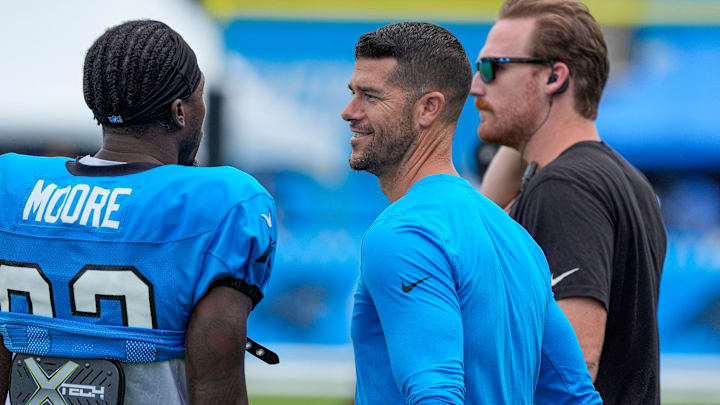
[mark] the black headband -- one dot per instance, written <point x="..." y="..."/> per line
<point x="178" y="82"/>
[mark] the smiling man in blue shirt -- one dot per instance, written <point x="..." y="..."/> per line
<point x="454" y="303"/>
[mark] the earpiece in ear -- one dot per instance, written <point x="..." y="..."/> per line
<point x="553" y="79"/>
<point x="563" y="87"/>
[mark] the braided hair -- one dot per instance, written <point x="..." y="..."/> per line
<point x="124" y="67"/>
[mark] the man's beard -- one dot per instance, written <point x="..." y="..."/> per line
<point x="187" y="150"/>
<point x="514" y="125"/>
<point x="387" y="147"/>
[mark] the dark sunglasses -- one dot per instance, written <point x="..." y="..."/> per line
<point x="487" y="66"/>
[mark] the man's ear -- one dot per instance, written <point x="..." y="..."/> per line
<point x="559" y="79"/>
<point x="429" y="107"/>
<point x="177" y="112"/>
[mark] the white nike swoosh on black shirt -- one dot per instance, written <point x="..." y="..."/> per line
<point x="555" y="280"/>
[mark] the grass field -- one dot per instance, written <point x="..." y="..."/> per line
<point x="314" y="375"/>
<point x="256" y="400"/>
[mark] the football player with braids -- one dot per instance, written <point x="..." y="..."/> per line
<point x="128" y="276"/>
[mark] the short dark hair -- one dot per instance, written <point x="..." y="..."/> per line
<point x="429" y="58"/>
<point x="124" y="65"/>
<point x="567" y="32"/>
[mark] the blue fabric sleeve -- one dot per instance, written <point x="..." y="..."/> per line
<point x="564" y="378"/>
<point x="408" y="273"/>
<point x="243" y="245"/>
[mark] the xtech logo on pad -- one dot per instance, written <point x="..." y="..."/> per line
<point x="63" y="381"/>
<point x="50" y="387"/>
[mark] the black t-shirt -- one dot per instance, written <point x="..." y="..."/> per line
<point x="598" y="221"/>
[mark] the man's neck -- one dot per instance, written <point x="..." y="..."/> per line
<point x="153" y="148"/>
<point x="557" y="136"/>
<point x="430" y="155"/>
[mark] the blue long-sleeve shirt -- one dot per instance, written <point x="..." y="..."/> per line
<point x="454" y="306"/>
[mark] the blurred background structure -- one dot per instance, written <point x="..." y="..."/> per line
<point x="277" y="73"/>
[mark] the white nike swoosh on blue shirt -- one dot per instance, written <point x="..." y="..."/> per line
<point x="268" y="219"/>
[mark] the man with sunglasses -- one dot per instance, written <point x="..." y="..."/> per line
<point x="538" y="84"/>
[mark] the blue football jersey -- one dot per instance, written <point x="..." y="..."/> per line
<point x="109" y="262"/>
